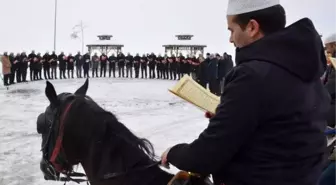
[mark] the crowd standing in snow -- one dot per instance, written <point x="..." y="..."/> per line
<point x="209" y="70"/>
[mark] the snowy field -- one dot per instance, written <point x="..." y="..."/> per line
<point x="144" y="106"/>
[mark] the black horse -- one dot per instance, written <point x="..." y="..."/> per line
<point x="76" y="130"/>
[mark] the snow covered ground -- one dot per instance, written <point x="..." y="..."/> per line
<point x="144" y="106"/>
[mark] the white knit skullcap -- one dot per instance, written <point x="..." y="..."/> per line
<point x="236" y="7"/>
<point x="330" y="39"/>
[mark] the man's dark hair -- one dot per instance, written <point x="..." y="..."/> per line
<point x="271" y="19"/>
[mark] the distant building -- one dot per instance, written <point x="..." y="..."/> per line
<point x="185" y="45"/>
<point x="105" y="45"/>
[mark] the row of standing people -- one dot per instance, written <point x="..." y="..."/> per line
<point x="209" y="70"/>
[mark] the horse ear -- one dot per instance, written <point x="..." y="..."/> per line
<point x="51" y="93"/>
<point x="83" y="89"/>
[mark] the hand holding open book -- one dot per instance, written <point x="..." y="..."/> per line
<point x="195" y="94"/>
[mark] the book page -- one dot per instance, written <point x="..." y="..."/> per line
<point x="194" y="93"/>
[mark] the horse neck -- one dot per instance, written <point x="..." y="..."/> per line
<point x="148" y="176"/>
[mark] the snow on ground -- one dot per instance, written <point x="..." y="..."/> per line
<point x="144" y="106"/>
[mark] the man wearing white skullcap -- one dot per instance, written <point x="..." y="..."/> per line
<point x="268" y="128"/>
<point x="330" y="43"/>
<point x="331" y="39"/>
<point x="328" y="176"/>
<point x="268" y="16"/>
<point x="236" y="7"/>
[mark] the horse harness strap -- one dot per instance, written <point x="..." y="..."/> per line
<point x="74" y="174"/>
<point x="60" y="136"/>
<point x="59" y="140"/>
<point x="107" y="176"/>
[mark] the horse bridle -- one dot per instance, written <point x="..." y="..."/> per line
<point x="108" y="176"/>
<point x="52" y="172"/>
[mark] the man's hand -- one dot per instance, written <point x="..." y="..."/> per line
<point x="164" y="161"/>
<point x="209" y="115"/>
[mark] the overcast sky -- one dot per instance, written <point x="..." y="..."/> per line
<point x="141" y="25"/>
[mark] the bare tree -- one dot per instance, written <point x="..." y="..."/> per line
<point x="76" y="30"/>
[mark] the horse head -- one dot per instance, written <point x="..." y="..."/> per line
<point x="76" y="130"/>
<point x="50" y="124"/>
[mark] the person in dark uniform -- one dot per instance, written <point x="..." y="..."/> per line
<point x="121" y="64"/>
<point x="179" y="60"/>
<point x="214" y="82"/>
<point x="34" y="66"/>
<point x="165" y="67"/>
<point x="221" y="71"/>
<point x="53" y="64"/>
<point x="31" y="58"/>
<point x="184" y="66"/>
<point x="194" y="67"/>
<point x="172" y="67"/>
<point x="24" y="66"/>
<point x="228" y="62"/>
<point x="62" y="65"/>
<point x="189" y="61"/>
<point x="79" y="64"/>
<point x="94" y="65"/>
<point x="183" y="62"/>
<point x="159" y="66"/>
<point x="143" y="64"/>
<point x="269" y="125"/>
<point x="202" y="74"/>
<point x="129" y="65"/>
<point x="151" y="65"/>
<point x="137" y="65"/>
<point x="103" y="62"/>
<point x="112" y="65"/>
<point x="225" y="65"/>
<point x="18" y="63"/>
<point x="13" y="68"/>
<point x="86" y="65"/>
<point x="46" y="65"/>
<point x="70" y="65"/>
<point x="39" y="66"/>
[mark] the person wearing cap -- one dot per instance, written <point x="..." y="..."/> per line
<point x="330" y="43"/>
<point x="328" y="176"/>
<point x="330" y="46"/>
<point x="269" y="125"/>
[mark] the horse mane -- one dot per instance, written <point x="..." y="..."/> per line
<point x="95" y="119"/>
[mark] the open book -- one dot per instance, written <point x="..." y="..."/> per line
<point x="195" y="94"/>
